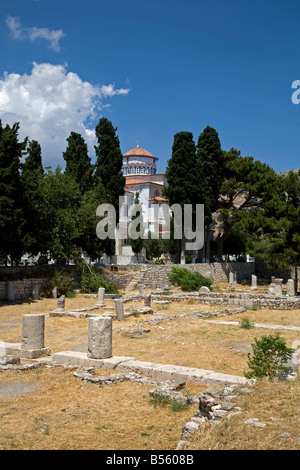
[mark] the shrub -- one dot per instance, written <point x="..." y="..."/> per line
<point x="270" y="354"/>
<point x="63" y="280"/>
<point x="246" y="323"/>
<point x="162" y="399"/>
<point x="187" y="280"/>
<point x="91" y="280"/>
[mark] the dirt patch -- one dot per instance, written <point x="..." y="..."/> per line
<point x="17" y="389"/>
<point x="239" y="347"/>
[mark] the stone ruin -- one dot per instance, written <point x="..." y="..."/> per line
<point x="32" y="345"/>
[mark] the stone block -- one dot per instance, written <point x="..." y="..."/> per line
<point x="290" y="287"/>
<point x="119" y="306"/>
<point x="101" y="294"/>
<point x="33" y="327"/>
<point x="100" y="337"/>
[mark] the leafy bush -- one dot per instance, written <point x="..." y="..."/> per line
<point x="63" y="280"/>
<point x="91" y="280"/>
<point x="246" y="323"/>
<point x="270" y="355"/>
<point x="187" y="280"/>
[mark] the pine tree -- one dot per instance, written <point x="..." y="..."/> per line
<point x="249" y="194"/>
<point x="11" y="199"/>
<point x="278" y="244"/>
<point x="78" y="163"/>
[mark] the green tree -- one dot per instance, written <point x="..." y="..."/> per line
<point x="78" y="163"/>
<point x="88" y="241"/>
<point x="210" y="168"/>
<point x="269" y="358"/>
<point x="61" y="226"/>
<point x="108" y="168"/>
<point x="278" y="243"/>
<point x="31" y="180"/>
<point x="154" y="247"/>
<point x="181" y="173"/>
<point x="11" y="199"/>
<point x="248" y="195"/>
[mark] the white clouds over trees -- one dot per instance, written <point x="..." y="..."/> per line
<point x="51" y="102"/>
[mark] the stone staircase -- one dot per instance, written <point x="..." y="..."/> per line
<point x="148" y="275"/>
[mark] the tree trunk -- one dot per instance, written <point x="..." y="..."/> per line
<point x="220" y="245"/>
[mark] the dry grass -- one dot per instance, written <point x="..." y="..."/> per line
<point x="276" y="404"/>
<point x="65" y="413"/>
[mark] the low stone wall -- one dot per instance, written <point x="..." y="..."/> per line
<point x="218" y="272"/>
<point x="120" y="280"/>
<point x="246" y="300"/>
<point x="23" y="288"/>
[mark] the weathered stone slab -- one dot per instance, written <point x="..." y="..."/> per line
<point x="290" y="287"/>
<point x="101" y="295"/>
<point x="77" y="358"/>
<point x="61" y="302"/>
<point x="33" y="327"/>
<point x="10" y="291"/>
<point x="119" y="306"/>
<point x="204" y="290"/>
<point x="253" y="282"/>
<point x="100" y="337"/>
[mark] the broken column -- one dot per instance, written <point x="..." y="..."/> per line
<point x="54" y="293"/>
<point x="253" y="282"/>
<point x="35" y="292"/>
<point x="119" y="309"/>
<point x="141" y="289"/>
<point x="101" y="294"/>
<point x="33" y="330"/>
<point x="10" y="291"/>
<point x="278" y="287"/>
<point x="231" y="281"/>
<point x="61" y="302"/>
<point x="290" y="287"/>
<point x="147" y="301"/>
<point x="100" y="337"/>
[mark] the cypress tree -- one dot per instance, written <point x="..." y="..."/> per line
<point x="181" y="173"/>
<point x="11" y="199"/>
<point x="108" y="168"/>
<point x="78" y="163"/>
<point x="31" y="180"/>
<point x="210" y="166"/>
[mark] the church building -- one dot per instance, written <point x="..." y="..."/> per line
<point x="140" y="171"/>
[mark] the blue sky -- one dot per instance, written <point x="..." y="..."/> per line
<point x="153" y="68"/>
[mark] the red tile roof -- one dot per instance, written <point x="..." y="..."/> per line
<point x="140" y="152"/>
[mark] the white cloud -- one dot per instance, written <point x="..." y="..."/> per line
<point x="49" y="104"/>
<point x="109" y="90"/>
<point x="33" y="33"/>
